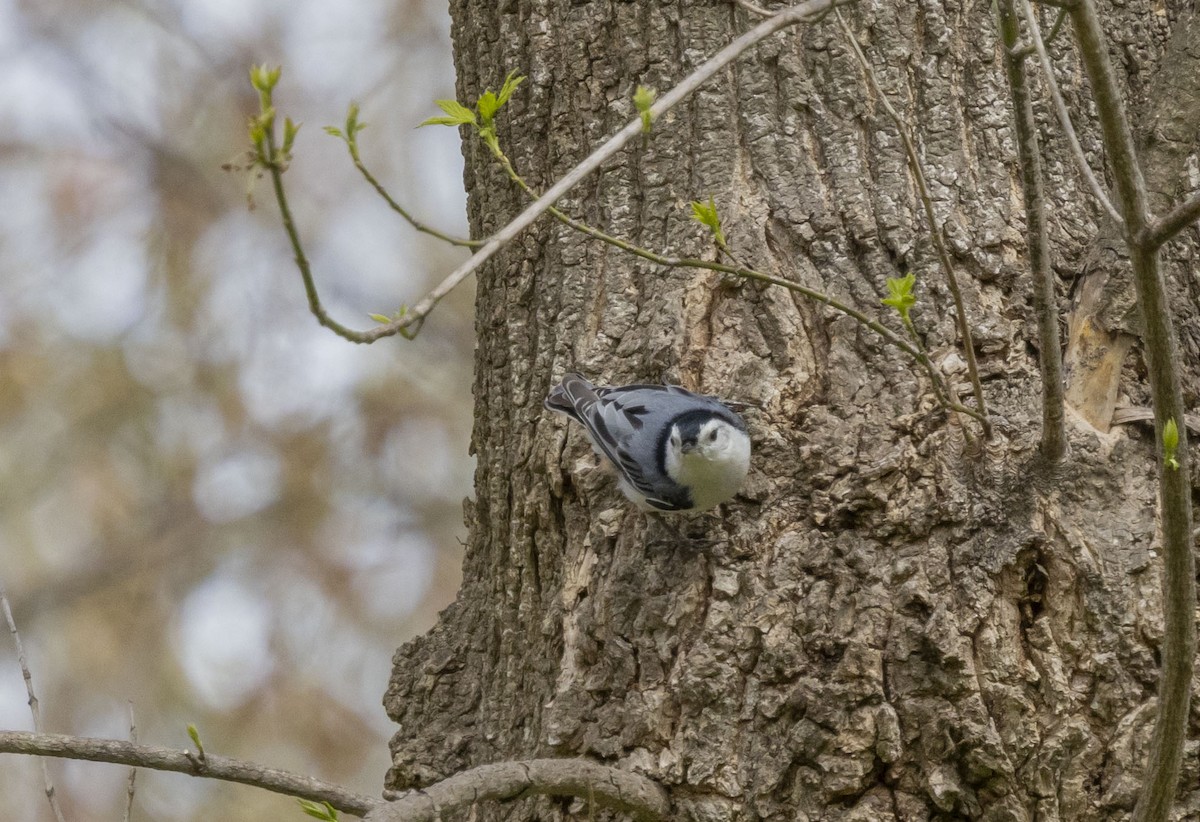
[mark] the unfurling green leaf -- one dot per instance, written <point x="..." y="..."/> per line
<point x="706" y="214"/>
<point x="487" y="105"/>
<point x="258" y="132"/>
<point x="902" y="298"/>
<point x="289" y="134"/>
<point x="510" y="85"/>
<point x="643" y="98"/>
<point x="195" y="737"/>
<point x="1170" y="439"/>
<point x="457" y="115"/>
<point x="489" y="102"/>
<point x="319" y="810"/>
<point x="397" y="316"/>
<point x="353" y="127"/>
<point x="263" y="78"/>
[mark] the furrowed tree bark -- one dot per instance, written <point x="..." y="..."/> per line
<point x="884" y="625"/>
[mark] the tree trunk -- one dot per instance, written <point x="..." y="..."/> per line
<point x="888" y="624"/>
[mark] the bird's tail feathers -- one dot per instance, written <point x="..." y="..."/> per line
<point x="572" y="395"/>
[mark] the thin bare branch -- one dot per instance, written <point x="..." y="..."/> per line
<point x="1164" y="228"/>
<point x="121" y="752"/>
<point x="935" y="229"/>
<point x="753" y="8"/>
<point x="788" y="17"/>
<point x="1045" y="303"/>
<point x="33" y="700"/>
<point x="915" y="350"/>
<point x="351" y="141"/>
<point x="407" y="327"/>
<point x="1028" y="49"/>
<point x="1161" y="351"/>
<point x="1064" y="116"/>
<point x="1057" y="27"/>
<point x="607" y="787"/>
<point x="409" y="323"/>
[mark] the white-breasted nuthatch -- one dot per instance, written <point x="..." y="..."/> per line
<point x="673" y="450"/>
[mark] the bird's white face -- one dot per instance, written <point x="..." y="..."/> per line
<point x="712" y="441"/>
<point x="713" y="465"/>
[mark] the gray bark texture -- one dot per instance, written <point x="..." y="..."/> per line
<point x="887" y="624"/>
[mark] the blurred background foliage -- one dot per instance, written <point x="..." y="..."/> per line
<point x="210" y="507"/>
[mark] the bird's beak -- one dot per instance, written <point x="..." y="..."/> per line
<point x="688" y="446"/>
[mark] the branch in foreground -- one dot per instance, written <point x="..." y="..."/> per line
<point x="1028" y="49"/>
<point x="120" y="752"/>
<point x="1045" y="303"/>
<point x="33" y="700"/>
<point x="350" y="137"/>
<point x="1064" y="116"/>
<point x="1164" y="228"/>
<point x="605" y="787"/>
<point x="753" y="8"/>
<point x="915" y="350"/>
<point x="269" y="156"/>
<point x="409" y="324"/>
<point x="918" y="173"/>
<point x="1161" y="777"/>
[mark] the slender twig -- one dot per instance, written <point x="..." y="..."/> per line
<point x="122" y="752"/>
<point x="1164" y="228"/>
<point x="34" y="706"/>
<point x="935" y="232"/>
<point x="1162" y="365"/>
<point x="725" y="251"/>
<point x="1029" y="49"/>
<point x="916" y="350"/>
<point x="1056" y="27"/>
<point x="406" y="327"/>
<point x="1045" y="304"/>
<point x="788" y="17"/>
<point x="352" y="144"/>
<point x="753" y="8"/>
<point x="130" y="787"/>
<point x="606" y="787"/>
<point x="409" y="323"/>
<point x="1064" y="116"/>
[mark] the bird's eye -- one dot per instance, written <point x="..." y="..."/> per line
<point x="712" y="435"/>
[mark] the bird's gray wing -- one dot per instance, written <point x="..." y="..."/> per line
<point x="571" y="396"/>
<point x="611" y="422"/>
<point x="616" y="422"/>
<point x="627" y="424"/>
<point x="624" y="424"/>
